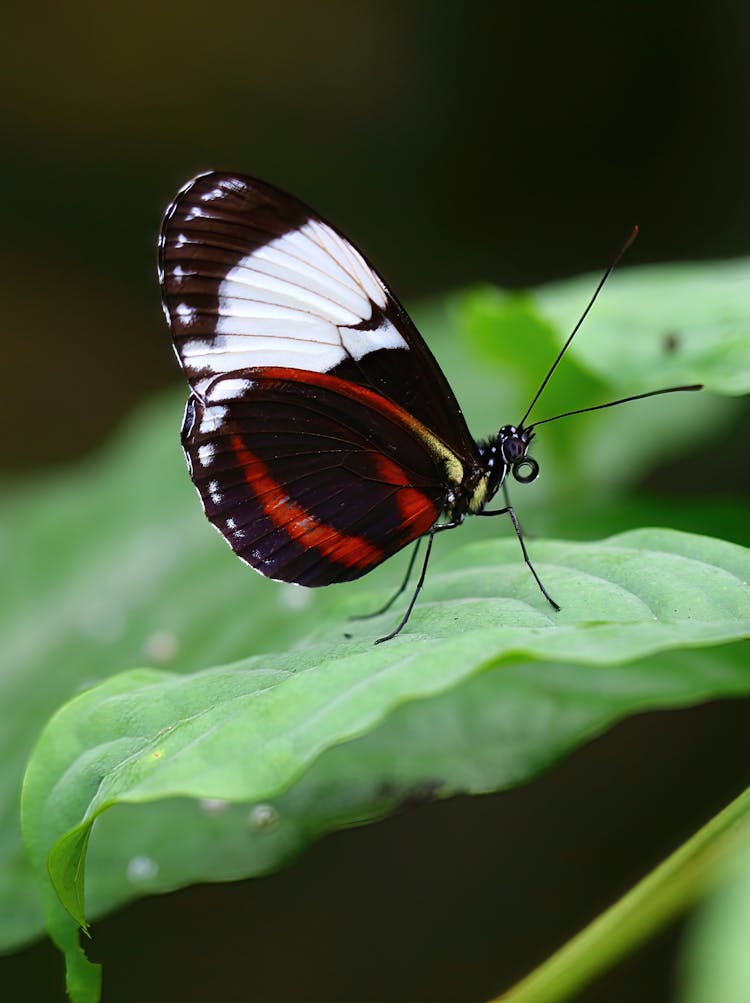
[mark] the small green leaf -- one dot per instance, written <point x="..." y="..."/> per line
<point x="716" y="961"/>
<point x="66" y="862"/>
<point x="509" y="329"/>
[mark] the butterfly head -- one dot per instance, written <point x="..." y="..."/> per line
<point x="512" y="444"/>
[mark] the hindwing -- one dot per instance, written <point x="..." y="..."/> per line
<point x="309" y="479"/>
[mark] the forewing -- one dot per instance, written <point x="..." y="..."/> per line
<point x="251" y="277"/>
<point x="306" y="483"/>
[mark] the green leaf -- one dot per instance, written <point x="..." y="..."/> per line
<point x="716" y="962"/>
<point x="509" y="329"/>
<point x="624" y="348"/>
<point x="666" y="324"/>
<point x="111" y="564"/>
<point x="247" y="733"/>
<point x="491" y="732"/>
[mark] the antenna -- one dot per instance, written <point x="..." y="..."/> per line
<point x="622" y="400"/>
<point x="553" y="367"/>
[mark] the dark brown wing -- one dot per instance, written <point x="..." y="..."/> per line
<point x="252" y="278"/>
<point x="309" y="478"/>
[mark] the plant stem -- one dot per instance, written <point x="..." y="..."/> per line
<point x="669" y="890"/>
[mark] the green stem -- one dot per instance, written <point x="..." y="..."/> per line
<point x="660" y="897"/>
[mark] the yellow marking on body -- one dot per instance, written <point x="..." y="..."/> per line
<point x="478" y="499"/>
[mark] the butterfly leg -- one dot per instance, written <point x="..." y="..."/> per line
<point x="399" y="591"/>
<point x="404" y="620"/>
<point x="508" y="504"/>
<point x="509" y="510"/>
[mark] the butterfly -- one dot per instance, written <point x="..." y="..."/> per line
<point x="320" y="432"/>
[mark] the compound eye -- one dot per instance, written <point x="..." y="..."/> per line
<point x="526" y="471"/>
<point x="513" y="449"/>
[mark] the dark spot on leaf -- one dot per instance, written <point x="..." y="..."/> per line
<point x="671" y="342"/>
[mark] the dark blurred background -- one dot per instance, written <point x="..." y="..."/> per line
<point x="508" y="142"/>
<point x="454" y="142"/>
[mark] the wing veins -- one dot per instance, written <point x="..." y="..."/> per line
<point x="295" y="285"/>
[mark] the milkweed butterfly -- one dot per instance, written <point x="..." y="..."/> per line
<point x="320" y="432"/>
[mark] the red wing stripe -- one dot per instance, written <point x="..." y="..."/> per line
<point x="300" y="524"/>
<point x="415" y="507"/>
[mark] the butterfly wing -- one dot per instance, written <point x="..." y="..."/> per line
<point x="251" y="277"/>
<point x="310" y="479"/>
